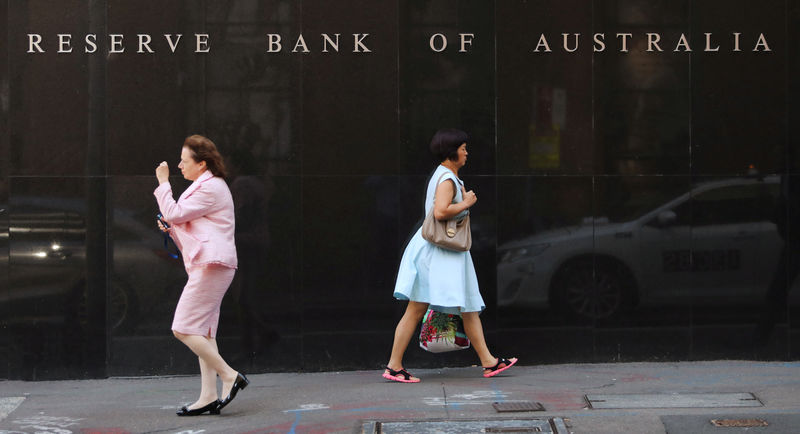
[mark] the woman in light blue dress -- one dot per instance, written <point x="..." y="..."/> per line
<point x="443" y="279"/>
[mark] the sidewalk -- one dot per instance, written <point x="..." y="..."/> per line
<point x="347" y="401"/>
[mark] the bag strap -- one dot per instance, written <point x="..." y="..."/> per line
<point x="167" y="241"/>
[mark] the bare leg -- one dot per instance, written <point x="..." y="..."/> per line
<point x="404" y="331"/>
<point x="206" y="349"/>
<point x="208" y="388"/>
<point x="474" y="330"/>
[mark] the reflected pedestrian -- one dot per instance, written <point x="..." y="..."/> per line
<point x="202" y="224"/>
<point x="774" y="309"/>
<point x="440" y="278"/>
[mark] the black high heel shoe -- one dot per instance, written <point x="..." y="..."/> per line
<point x="212" y="408"/>
<point x="240" y="383"/>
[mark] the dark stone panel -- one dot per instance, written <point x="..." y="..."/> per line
<point x="351" y="250"/>
<point x="641" y="99"/>
<point x="447" y="89"/>
<point x="544" y="109"/>
<point x="349" y="98"/>
<point x="48" y="97"/>
<point x="265" y="303"/>
<point x="739" y="98"/>
<point x="543" y="224"/>
<point x="668" y="343"/>
<point x="6" y="336"/>
<point x="155" y="99"/>
<point x="483" y="224"/>
<point x="5" y="149"/>
<point x="51" y="318"/>
<point x="253" y="99"/>
<point x="793" y="84"/>
<point x="636" y="248"/>
<point x="412" y="193"/>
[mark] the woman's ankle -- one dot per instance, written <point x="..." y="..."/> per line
<point x="489" y="362"/>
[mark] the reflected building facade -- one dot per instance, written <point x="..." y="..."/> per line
<point x="633" y="205"/>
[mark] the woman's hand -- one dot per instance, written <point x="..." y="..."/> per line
<point x="161" y="227"/>
<point x="162" y="172"/>
<point x="469" y="197"/>
<point x="443" y="209"/>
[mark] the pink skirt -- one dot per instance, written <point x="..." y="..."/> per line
<point x="198" y="309"/>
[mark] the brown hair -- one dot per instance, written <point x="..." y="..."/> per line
<point x="203" y="149"/>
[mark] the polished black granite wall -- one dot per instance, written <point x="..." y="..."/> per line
<point x="632" y="205"/>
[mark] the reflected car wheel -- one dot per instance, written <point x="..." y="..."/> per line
<point x="589" y="290"/>
<point x="121" y="305"/>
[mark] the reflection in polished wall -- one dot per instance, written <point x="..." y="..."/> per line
<point x="631" y="205"/>
<point x="5" y="335"/>
<point x="47" y="293"/>
<point x="643" y="112"/>
<point x="444" y="89"/>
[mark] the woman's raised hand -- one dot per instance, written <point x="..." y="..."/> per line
<point x="469" y="196"/>
<point x="162" y="172"/>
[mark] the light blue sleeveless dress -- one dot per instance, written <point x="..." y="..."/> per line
<point x="443" y="278"/>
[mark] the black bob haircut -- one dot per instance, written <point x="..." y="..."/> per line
<point x="445" y="143"/>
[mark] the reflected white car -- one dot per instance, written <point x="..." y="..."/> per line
<point x="716" y="241"/>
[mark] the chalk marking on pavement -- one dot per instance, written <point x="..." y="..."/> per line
<point x="308" y="407"/>
<point x="376" y="409"/>
<point x="158" y="406"/>
<point x="7" y="405"/>
<point x="477" y="397"/>
<point x="191" y="431"/>
<point x="48" y="424"/>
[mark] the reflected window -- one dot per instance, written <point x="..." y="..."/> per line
<point x="733" y="204"/>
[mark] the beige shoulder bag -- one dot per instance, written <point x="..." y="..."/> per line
<point x="448" y="234"/>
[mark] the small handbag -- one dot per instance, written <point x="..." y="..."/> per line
<point x="448" y="234"/>
<point x="442" y="332"/>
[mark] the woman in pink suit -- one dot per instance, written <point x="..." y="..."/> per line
<point x="201" y="223"/>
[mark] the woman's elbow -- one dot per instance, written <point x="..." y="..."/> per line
<point x="439" y="215"/>
<point x="174" y="218"/>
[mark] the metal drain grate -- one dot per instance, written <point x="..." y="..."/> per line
<point x="739" y="422"/>
<point x="555" y="425"/>
<point x="514" y="406"/>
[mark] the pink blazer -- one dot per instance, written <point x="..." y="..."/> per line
<point x="202" y="221"/>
